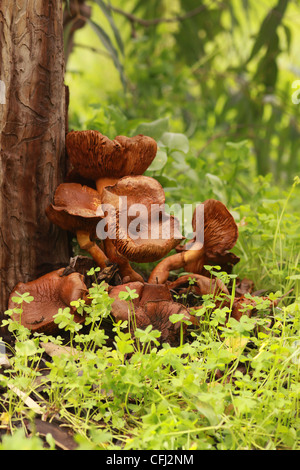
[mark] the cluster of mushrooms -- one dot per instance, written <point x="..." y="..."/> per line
<point x="103" y="170"/>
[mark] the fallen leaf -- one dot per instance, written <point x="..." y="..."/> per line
<point x="62" y="437"/>
<point x="56" y="350"/>
<point x="26" y="399"/>
<point x="236" y="345"/>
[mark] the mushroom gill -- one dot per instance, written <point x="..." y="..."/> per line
<point x="141" y="238"/>
<point x="75" y="209"/>
<point x="150" y="235"/>
<point x="153" y="306"/>
<point x="50" y="292"/>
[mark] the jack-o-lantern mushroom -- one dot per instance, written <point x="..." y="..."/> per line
<point x="215" y="233"/>
<point x="50" y="293"/>
<point x="145" y="238"/>
<point x="95" y="157"/>
<point x="75" y="209"/>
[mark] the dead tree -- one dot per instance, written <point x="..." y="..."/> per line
<point x="32" y="139"/>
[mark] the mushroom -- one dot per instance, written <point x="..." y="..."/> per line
<point x="153" y="306"/>
<point x="244" y="286"/>
<point x="144" y="238"/>
<point x="157" y="313"/>
<point x="126" y="271"/>
<point x="145" y="292"/>
<point x="96" y="157"/>
<point x="75" y="209"/>
<point x="219" y="234"/>
<point x="50" y="292"/>
<point x="203" y="286"/>
<point x="225" y="260"/>
<point x="240" y="306"/>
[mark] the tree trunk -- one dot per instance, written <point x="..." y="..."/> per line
<point x="32" y="139"/>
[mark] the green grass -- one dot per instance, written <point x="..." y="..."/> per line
<point x="232" y="385"/>
<point x="269" y="240"/>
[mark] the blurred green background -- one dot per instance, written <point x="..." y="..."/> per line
<point x="215" y="83"/>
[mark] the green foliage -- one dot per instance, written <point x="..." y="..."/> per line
<point x="18" y="441"/>
<point x="213" y="87"/>
<point x="220" y="71"/>
<point x="268" y="216"/>
<point x="234" y="385"/>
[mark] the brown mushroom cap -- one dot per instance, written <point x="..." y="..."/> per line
<point x="95" y="156"/>
<point x="220" y="228"/>
<point x="153" y="307"/>
<point x="141" y="247"/>
<point x="146" y="292"/>
<point x="220" y="232"/>
<point x="157" y="313"/>
<point x="50" y="292"/>
<point x="75" y="208"/>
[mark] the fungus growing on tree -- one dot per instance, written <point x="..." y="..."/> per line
<point x="214" y="236"/>
<point x="75" y="209"/>
<point x="50" y="293"/>
<point x="153" y="306"/>
<point x="96" y="157"/>
<point x="141" y="238"/>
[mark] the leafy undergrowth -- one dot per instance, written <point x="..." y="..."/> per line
<point x="230" y="385"/>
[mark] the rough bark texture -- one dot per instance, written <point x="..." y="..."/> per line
<point x="32" y="140"/>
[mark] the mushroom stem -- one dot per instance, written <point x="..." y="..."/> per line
<point x="161" y="272"/>
<point x="205" y="285"/>
<point x="101" y="183"/>
<point x="91" y="247"/>
<point x="126" y="271"/>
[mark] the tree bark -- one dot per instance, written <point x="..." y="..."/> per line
<point x="32" y="140"/>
